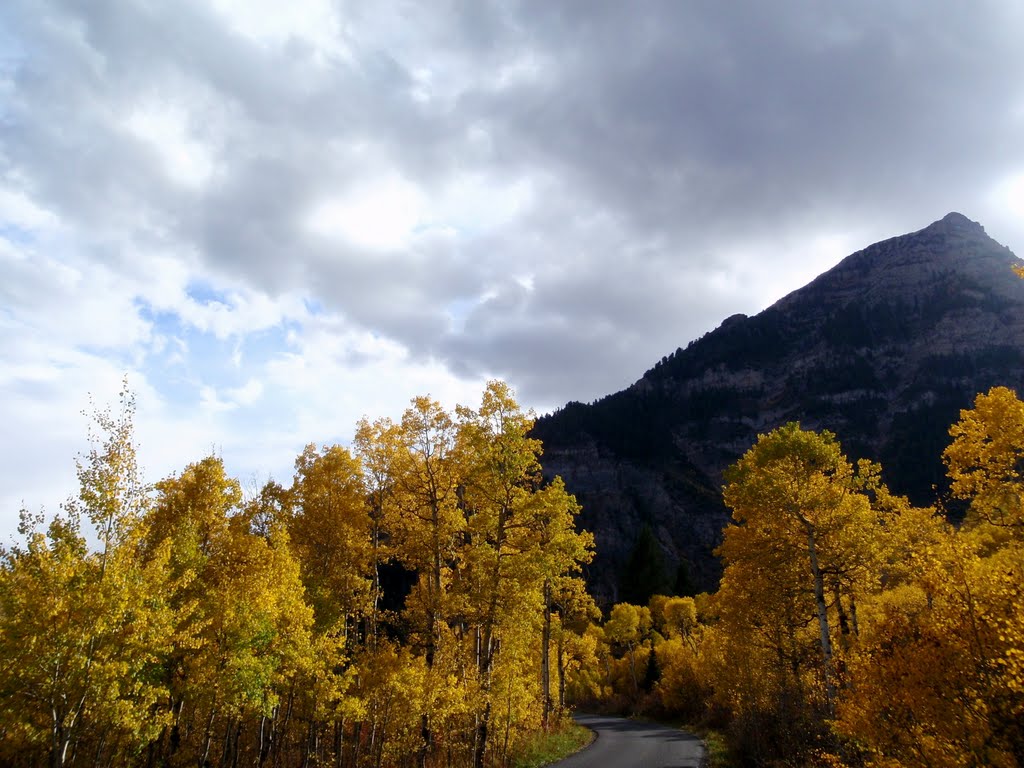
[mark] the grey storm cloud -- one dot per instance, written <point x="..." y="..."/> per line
<point x="658" y="138"/>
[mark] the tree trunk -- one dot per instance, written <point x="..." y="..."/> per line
<point x="545" y="659"/>
<point x="279" y="736"/>
<point x="207" y="738"/>
<point x="97" y="759"/>
<point x="225" y="750"/>
<point x="174" y="739"/>
<point x="481" y="740"/>
<point x="819" y="599"/>
<point x="59" y="740"/>
<point x="263" y="748"/>
<point x="844" y="621"/>
<point x="425" y="746"/>
<point x="561" y="669"/>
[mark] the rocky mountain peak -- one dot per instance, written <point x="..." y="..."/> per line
<point x="955" y="223"/>
<point x="954" y="251"/>
<point x="884" y="349"/>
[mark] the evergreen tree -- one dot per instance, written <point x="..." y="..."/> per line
<point x="645" y="573"/>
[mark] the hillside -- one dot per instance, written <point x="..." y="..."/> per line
<point x="883" y="349"/>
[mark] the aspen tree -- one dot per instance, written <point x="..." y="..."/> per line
<point x="82" y="631"/>
<point x="521" y="540"/>
<point x="427" y="530"/>
<point x="797" y="507"/>
<point x="379" y="447"/>
<point x="330" y="533"/>
<point x="985" y="461"/>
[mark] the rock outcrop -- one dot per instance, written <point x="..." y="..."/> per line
<point x="884" y="350"/>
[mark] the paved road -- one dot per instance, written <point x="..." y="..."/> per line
<point x="625" y="743"/>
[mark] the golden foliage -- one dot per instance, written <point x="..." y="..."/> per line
<point x="211" y="629"/>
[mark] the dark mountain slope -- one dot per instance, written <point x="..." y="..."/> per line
<point x="884" y="349"/>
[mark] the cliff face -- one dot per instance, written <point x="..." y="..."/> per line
<point x="884" y="350"/>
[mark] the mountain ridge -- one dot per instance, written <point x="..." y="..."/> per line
<point x="883" y="349"/>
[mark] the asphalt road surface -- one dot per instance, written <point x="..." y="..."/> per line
<point x="622" y="743"/>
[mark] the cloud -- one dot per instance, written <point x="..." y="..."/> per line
<point x="381" y="216"/>
<point x="278" y="217"/>
<point x="1009" y="195"/>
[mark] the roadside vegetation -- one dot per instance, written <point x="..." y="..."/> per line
<point x="417" y="600"/>
<point x="403" y="603"/>
<point x="547" y="748"/>
<point x="850" y="628"/>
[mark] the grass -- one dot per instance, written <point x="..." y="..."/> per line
<point x="547" y="748"/>
<point x="716" y="749"/>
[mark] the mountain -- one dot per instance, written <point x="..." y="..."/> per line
<point x="884" y="350"/>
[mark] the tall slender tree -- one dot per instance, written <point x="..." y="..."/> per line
<point x="801" y="528"/>
<point x="82" y="631"/>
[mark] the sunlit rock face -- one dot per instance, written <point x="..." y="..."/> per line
<point x="884" y="350"/>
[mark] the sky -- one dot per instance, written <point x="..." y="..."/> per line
<point x="275" y="218"/>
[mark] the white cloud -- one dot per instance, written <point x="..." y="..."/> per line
<point x="381" y="216"/>
<point x="19" y="210"/>
<point x="248" y="394"/>
<point x="391" y="213"/>
<point x="1009" y="195"/>
<point x="336" y="374"/>
<point x="210" y="402"/>
<point x="270" y="23"/>
<point x="53" y="302"/>
<point x="243" y="312"/>
<point x="476" y="203"/>
<point x="164" y="126"/>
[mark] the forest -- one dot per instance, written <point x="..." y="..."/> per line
<point x="850" y="627"/>
<point x="417" y="600"/>
<point x="401" y="603"/>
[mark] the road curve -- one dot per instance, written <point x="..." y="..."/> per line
<point x="623" y="743"/>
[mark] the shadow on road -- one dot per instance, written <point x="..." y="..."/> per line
<point x="623" y="743"/>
